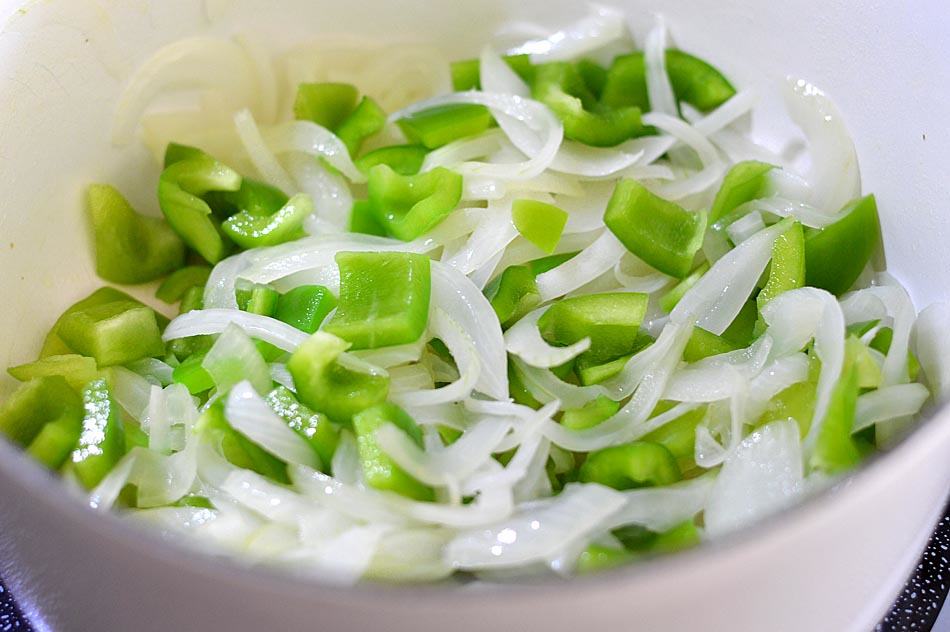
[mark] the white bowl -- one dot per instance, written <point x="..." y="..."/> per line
<point x="832" y="564"/>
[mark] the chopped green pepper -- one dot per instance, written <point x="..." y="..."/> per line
<point x="787" y="270"/>
<point x="179" y="189"/>
<point x="600" y="558"/>
<point x="363" y="219"/>
<point x="513" y="294"/>
<point x="76" y="369"/>
<point x="331" y="386"/>
<point x="406" y="160"/>
<point x="631" y="465"/>
<point x="36" y="404"/>
<point x="130" y="248"/>
<point x="305" y="307"/>
<point x="678" y="436"/>
<point x="591" y="370"/>
<point x="610" y="320"/>
<point x="263" y="301"/>
<point x="703" y="344"/>
<point x="594" y="76"/>
<point x="53" y="344"/>
<point x="694" y="81"/>
<point x="192" y="375"/>
<point x="102" y="441"/>
<point x="326" y="104"/>
<point x="745" y="181"/>
<point x="593" y="412"/>
<point x="319" y="432"/>
<point x="466" y="74"/>
<point x="379" y="469"/>
<point x="254" y="197"/>
<point x="410" y="206"/>
<point x="255" y="231"/>
<point x="671" y="298"/>
<point x="662" y="233"/>
<point x="364" y="121"/>
<point x="114" y="333"/>
<point x="236" y="447"/>
<point x="440" y="125"/>
<point x="516" y="388"/>
<point x="559" y="86"/>
<point x="384" y="298"/>
<point x="539" y="223"/>
<point x="836" y="255"/>
<point x="173" y="288"/>
<point x="835" y="450"/>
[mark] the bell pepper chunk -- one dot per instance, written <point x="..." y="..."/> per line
<point x="102" y="440"/>
<point x="234" y="358"/>
<point x="539" y="222"/>
<point x="406" y="160"/>
<point x="694" y="81"/>
<point x="130" y="248"/>
<point x="237" y="448"/>
<point x="255" y="231"/>
<point x="466" y="74"/>
<point x="363" y="220"/>
<point x="384" y="298"/>
<point x="513" y="294"/>
<point x="193" y="375"/>
<point x="326" y="104"/>
<point x="836" y="255"/>
<point x="173" y="288"/>
<point x="787" y="269"/>
<point x="256" y="198"/>
<point x="663" y="234"/>
<point x="678" y="436"/>
<point x="77" y="370"/>
<point x="559" y="86"/>
<point x="115" y="333"/>
<point x="37" y="403"/>
<point x="671" y="298"/>
<point x="366" y="120"/>
<point x="263" y="301"/>
<point x="379" y="470"/>
<point x="518" y="391"/>
<point x="744" y="182"/>
<point x="322" y="435"/>
<point x="703" y="344"/>
<point x="835" y="450"/>
<point x="631" y="465"/>
<point x="611" y="321"/>
<point x="593" y="74"/>
<point x="329" y="382"/>
<point x="410" y="206"/>
<point x="597" y="557"/>
<point x="179" y="189"/>
<point x="440" y="125"/>
<point x="592" y="413"/>
<point x="795" y="402"/>
<point x="305" y="307"/>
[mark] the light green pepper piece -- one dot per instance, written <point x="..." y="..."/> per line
<point x="410" y="206"/>
<point x="379" y="470"/>
<point x="632" y="465"/>
<point x="102" y="441"/>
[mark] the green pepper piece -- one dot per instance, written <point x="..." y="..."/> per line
<point x="882" y="342"/>
<point x="36" y="404"/>
<point x="256" y="198"/>
<point x="192" y="299"/>
<point x="179" y="188"/>
<point x="234" y="358"/>
<point x="365" y="121"/>
<point x="545" y="264"/>
<point x="176" y="152"/>
<point x="662" y="233"/>
<point x="322" y="435"/>
<point x="703" y="344"/>
<point x="115" y="333"/>
<point x="518" y="391"/>
<point x="263" y="301"/>
<point x="380" y="471"/>
<point x="796" y="402"/>
<point x="611" y="321"/>
<point x="253" y="231"/>
<point x="868" y="371"/>
<point x="741" y="331"/>
<point x="326" y="104"/>
<point x="559" y="86"/>
<point x="76" y="369"/>
<point x="594" y="76"/>
<point x="539" y="223"/>
<point x="363" y="219"/>
<point x="787" y="270"/>
<point x="336" y="385"/>
<point x="591" y="370"/>
<point x="193" y="375"/>
<point x="694" y="81"/>
<point x="56" y="441"/>
<point x="305" y="307"/>
<point x="406" y="160"/>
<point x="683" y="536"/>
<point x="835" y="450"/>
<point x="185" y="347"/>
<point x="174" y="287"/>
<point x="237" y="448"/>
<point x="410" y="206"/>
<point x="513" y="294"/>
<point x="678" y="436"/>
<point x="466" y="74"/>
<point x="593" y="412"/>
<point x="102" y="441"/>
<point x="440" y="125"/>
<point x="671" y="298"/>
<point x="53" y="344"/>
<point x="745" y="181"/>
<point x="836" y="255"/>
<point x="597" y="558"/>
<point x="384" y="298"/>
<point x="130" y="248"/>
<point x="631" y="465"/>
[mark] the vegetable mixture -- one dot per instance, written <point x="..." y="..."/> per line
<point x="542" y="312"/>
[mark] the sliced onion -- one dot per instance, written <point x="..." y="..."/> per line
<point x="662" y="508"/>
<point x="309" y="138"/>
<point x="602" y="26"/>
<point x="583" y="268"/>
<point x="250" y="415"/>
<point x="331" y="196"/>
<point x="260" y="154"/>
<point x="221" y="286"/>
<point x="203" y="322"/>
<point x="764" y="474"/>
<point x="494" y="232"/>
<point x="745" y="227"/>
<point x="889" y="402"/>
<point x="932" y="346"/>
<point x="524" y="340"/>
<point x="659" y="88"/>
<point x="396" y="355"/>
